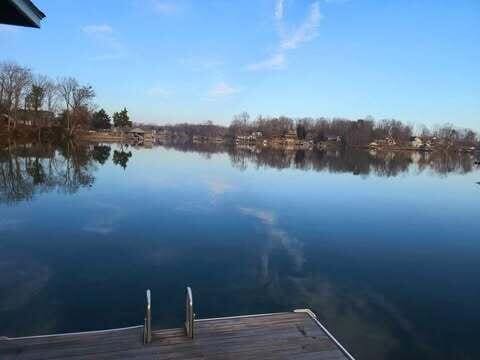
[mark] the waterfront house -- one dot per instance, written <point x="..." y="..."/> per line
<point x="291" y="135"/>
<point x="416" y="142"/>
<point x="257" y="134"/>
<point x="41" y="118"/>
<point x="136" y="135"/>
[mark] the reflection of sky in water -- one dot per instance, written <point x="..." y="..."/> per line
<point x="391" y="264"/>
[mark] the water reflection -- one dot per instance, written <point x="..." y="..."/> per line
<point x="375" y="259"/>
<point x="101" y="153"/>
<point x="28" y="169"/>
<point x="358" y="162"/>
<point x="121" y="157"/>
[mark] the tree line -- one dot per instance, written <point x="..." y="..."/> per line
<point x="359" y="132"/>
<point x="355" y="133"/>
<point x="67" y="101"/>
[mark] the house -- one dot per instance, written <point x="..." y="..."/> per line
<point x="388" y="141"/>
<point x="248" y="138"/>
<point x="416" y="142"/>
<point x="137" y="131"/>
<point x="291" y="135"/>
<point x="40" y="118"/>
<point x="257" y="134"/>
<point x="20" y="13"/>
<point x="137" y="135"/>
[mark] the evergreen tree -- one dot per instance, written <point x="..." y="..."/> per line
<point x="121" y="119"/>
<point x="101" y="120"/>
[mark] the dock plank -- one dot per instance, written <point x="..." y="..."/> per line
<point x="272" y="336"/>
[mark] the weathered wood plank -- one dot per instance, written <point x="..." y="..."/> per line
<point x="272" y="336"/>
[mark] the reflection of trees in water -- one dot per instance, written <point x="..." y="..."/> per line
<point x="29" y="169"/>
<point x="358" y="162"/>
<point x="355" y="161"/>
<point x="101" y="153"/>
<point x="205" y="149"/>
<point x="121" y="157"/>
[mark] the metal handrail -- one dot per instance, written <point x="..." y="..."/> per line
<point x="189" y="314"/>
<point x="147" y="327"/>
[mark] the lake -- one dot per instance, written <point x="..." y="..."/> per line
<point x="384" y="247"/>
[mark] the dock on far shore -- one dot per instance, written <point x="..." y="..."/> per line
<point x="287" y="335"/>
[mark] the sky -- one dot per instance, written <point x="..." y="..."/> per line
<point x="171" y="61"/>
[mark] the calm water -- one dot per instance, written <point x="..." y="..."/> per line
<point x="385" y="248"/>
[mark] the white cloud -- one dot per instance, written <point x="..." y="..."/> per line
<point x="266" y="217"/>
<point x="222" y="89"/>
<point x="97" y="29"/>
<point x="218" y="186"/>
<point x="336" y="1"/>
<point x="276" y="234"/>
<point x="279" y="9"/>
<point x="105" y="220"/>
<point x="103" y="36"/>
<point x="290" y="40"/>
<point x="165" y="7"/>
<point x="307" y="31"/>
<point x="276" y="61"/>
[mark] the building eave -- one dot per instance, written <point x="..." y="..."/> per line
<point x="20" y="13"/>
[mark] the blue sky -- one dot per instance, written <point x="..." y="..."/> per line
<point x="198" y="60"/>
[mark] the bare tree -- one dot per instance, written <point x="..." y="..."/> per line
<point x="15" y="80"/>
<point x="66" y="87"/>
<point x="51" y="95"/>
<point x="77" y="100"/>
<point x="239" y="125"/>
<point x="36" y="95"/>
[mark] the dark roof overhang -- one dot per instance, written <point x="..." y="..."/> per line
<point x="20" y="12"/>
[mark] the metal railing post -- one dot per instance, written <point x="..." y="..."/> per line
<point x="147" y="328"/>
<point x="189" y="314"/>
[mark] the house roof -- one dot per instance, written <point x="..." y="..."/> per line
<point x="21" y="13"/>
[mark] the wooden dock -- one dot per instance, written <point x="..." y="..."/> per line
<point x="290" y="335"/>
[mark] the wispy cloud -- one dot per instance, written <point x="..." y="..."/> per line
<point x="265" y="217"/>
<point x="307" y="31"/>
<point x="279" y="9"/>
<point x="106" y="220"/>
<point x="276" y="61"/>
<point x="303" y="33"/>
<point x="276" y="234"/>
<point x="221" y="89"/>
<point x="218" y="186"/>
<point x="105" y="39"/>
<point x="165" y="7"/>
<point x="101" y="29"/>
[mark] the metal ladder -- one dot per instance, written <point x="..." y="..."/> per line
<point x="189" y="317"/>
